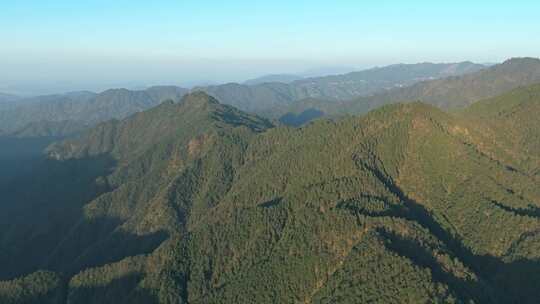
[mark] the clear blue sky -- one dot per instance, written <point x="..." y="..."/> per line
<point x="93" y="44"/>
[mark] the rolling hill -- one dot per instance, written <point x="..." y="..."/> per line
<point x="198" y="202"/>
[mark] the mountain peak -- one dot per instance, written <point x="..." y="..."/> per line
<point x="198" y="98"/>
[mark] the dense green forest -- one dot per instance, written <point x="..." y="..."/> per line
<point x="198" y="202"/>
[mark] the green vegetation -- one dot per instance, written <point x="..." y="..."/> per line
<point x="41" y="287"/>
<point x="198" y="202"/>
<point x="67" y="114"/>
<point x="273" y="99"/>
<point x="456" y="91"/>
<point x="63" y="114"/>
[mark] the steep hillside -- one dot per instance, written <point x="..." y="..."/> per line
<point x="198" y="202"/>
<point x="511" y="120"/>
<point x="38" y="288"/>
<point x="89" y="212"/>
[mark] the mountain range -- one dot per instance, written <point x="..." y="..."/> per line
<point x="264" y="97"/>
<point x="447" y="93"/>
<point x="82" y="108"/>
<point x="393" y="75"/>
<point x="7" y="97"/>
<point x="87" y="108"/>
<point x="283" y="78"/>
<point x="199" y="202"/>
<point x="444" y="85"/>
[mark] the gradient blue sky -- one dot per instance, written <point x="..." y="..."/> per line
<point x="71" y="45"/>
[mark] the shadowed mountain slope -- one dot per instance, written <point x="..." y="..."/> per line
<point x="201" y="203"/>
<point x="265" y="97"/>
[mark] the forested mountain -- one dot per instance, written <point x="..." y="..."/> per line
<point x="456" y="92"/>
<point x="87" y="108"/>
<point x="198" y="202"/>
<point x="447" y="93"/>
<point x="263" y="98"/>
<point x="377" y="79"/>
<point x="44" y="116"/>
<point x="50" y="129"/>
<point x="84" y="108"/>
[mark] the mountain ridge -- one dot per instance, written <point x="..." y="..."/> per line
<point x="89" y="108"/>
<point x="449" y="93"/>
<point x="200" y="202"/>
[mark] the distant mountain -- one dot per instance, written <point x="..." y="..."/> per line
<point x="84" y="108"/>
<point x="283" y="78"/>
<point x="7" y="101"/>
<point x="161" y="93"/>
<point x="460" y="91"/>
<point x="80" y="95"/>
<point x="447" y="93"/>
<point x="266" y="97"/>
<point x="7" y="97"/>
<point x="198" y="202"/>
<point x="378" y="79"/>
<point x="50" y="129"/>
<point x="305" y="110"/>
<point x="327" y="70"/>
<point x="270" y="99"/>
<point x="254" y="98"/>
